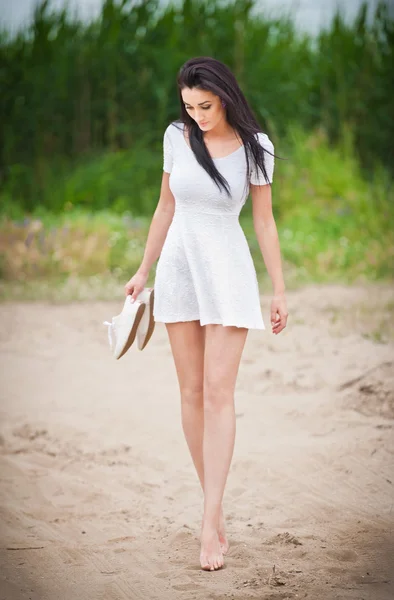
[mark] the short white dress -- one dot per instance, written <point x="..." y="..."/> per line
<point x="205" y="271"/>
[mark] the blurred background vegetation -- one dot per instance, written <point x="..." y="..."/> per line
<point x="84" y="106"/>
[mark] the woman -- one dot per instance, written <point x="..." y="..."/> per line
<point x="206" y="289"/>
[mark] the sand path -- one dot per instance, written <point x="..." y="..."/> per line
<point x="99" y="499"/>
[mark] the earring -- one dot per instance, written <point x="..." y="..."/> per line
<point x="223" y="103"/>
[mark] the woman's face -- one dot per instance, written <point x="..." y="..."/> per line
<point x="204" y="107"/>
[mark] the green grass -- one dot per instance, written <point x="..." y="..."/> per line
<point x="334" y="224"/>
<point x="122" y="181"/>
<point x="78" y="243"/>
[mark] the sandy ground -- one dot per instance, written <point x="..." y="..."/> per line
<point x="99" y="498"/>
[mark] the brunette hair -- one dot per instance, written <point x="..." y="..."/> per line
<point x="209" y="74"/>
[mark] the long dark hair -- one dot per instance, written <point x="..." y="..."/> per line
<point x="209" y="74"/>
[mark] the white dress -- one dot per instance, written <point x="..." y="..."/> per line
<point x="205" y="271"/>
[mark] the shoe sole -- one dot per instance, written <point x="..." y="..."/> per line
<point x="133" y="332"/>
<point x="151" y="325"/>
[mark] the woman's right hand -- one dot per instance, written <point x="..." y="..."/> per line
<point x="135" y="285"/>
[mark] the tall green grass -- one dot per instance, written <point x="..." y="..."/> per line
<point x="333" y="223"/>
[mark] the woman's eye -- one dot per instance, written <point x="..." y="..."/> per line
<point x="206" y="107"/>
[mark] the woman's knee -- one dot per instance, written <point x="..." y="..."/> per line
<point x="217" y="396"/>
<point x="192" y="394"/>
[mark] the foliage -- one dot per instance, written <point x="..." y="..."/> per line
<point x="332" y="223"/>
<point x="76" y="244"/>
<point x="71" y="90"/>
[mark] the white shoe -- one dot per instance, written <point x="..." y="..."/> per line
<point x="124" y="327"/>
<point x="147" y="323"/>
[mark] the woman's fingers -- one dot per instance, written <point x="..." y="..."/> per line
<point x="278" y="314"/>
<point x="280" y="322"/>
<point x="136" y="292"/>
<point x="135" y="285"/>
<point x="274" y="319"/>
<point x="275" y="323"/>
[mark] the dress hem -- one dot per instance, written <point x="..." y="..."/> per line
<point x="209" y="322"/>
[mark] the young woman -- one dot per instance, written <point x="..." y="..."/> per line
<point x="206" y="289"/>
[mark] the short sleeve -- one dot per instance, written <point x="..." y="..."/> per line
<point x="167" y="152"/>
<point x="257" y="176"/>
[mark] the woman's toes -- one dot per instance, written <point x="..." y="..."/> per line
<point x="218" y="563"/>
<point x="207" y="563"/>
<point x="211" y="557"/>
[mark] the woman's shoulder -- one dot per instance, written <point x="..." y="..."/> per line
<point x="173" y="130"/>
<point x="264" y="141"/>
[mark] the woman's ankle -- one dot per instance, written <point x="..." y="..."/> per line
<point x="211" y="521"/>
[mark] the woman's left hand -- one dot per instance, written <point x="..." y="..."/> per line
<point x="278" y="313"/>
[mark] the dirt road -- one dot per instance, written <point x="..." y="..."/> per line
<point x="99" y="498"/>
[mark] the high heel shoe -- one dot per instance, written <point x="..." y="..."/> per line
<point x="124" y="327"/>
<point x="147" y="323"/>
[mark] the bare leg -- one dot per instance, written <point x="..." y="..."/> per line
<point x="192" y="410"/>
<point x="187" y="342"/>
<point x="223" y="350"/>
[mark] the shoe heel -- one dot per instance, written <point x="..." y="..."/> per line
<point x="133" y="332"/>
<point x="151" y="325"/>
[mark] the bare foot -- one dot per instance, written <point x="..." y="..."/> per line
<point x="224" y="544"/>
<point x="211" y="556"/>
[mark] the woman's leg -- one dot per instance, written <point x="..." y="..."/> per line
<point x="187" y="342"/>
<point x="187" y="345"/>
<point x="222" y="355"/>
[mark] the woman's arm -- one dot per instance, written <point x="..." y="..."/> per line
<point x="157" y="234"/>
<point x="267" y="237"/>
<point x="160" y="224"/>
